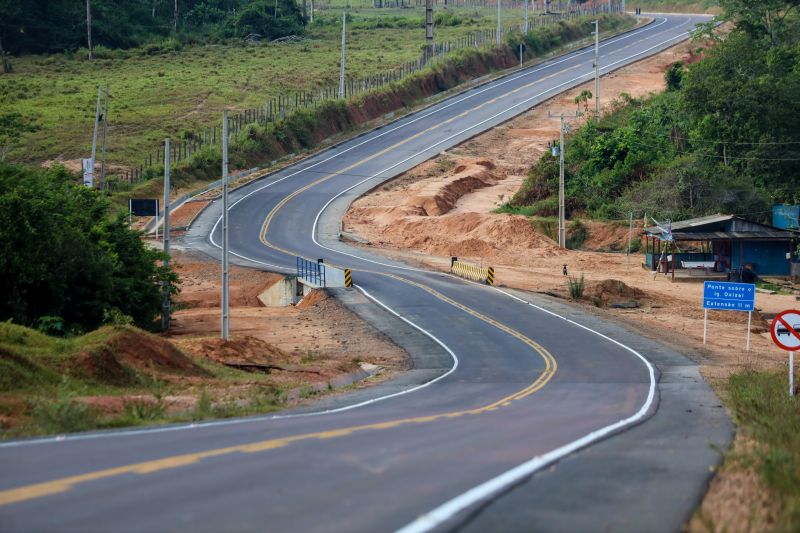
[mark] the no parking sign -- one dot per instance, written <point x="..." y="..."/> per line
<point x="785" y="331"/>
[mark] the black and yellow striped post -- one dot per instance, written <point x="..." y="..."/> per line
<point x="490" y="276"/>
<point x="348" y="278"/>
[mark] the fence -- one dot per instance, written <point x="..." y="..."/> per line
<point x="311" y="271"/>
<point x="276" y="109"/>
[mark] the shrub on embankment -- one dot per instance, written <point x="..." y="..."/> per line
<point x="67" y="266"/>
<point x="306" y="128"/>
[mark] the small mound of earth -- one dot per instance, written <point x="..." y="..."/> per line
<point x="613" y="290"/>
<point x="240" y="350"/>
<point x="116" y="359"/>
<point x="312" y="299"/>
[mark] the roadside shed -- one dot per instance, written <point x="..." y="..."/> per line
<point x="720" y="247"/>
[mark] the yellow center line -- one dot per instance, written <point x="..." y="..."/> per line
<point x="39" y="490"/>
<point x="288" y="198"/>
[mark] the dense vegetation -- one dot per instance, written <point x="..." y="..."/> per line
<point x="724" y="137"/>
<point x="42" y="26"/>
<point x="67" y="267"/>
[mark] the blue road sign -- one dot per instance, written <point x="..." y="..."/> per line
<point x="728" y="296"/>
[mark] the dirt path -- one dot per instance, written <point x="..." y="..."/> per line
<point x="443" y="208"/>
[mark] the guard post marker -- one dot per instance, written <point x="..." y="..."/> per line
<point x="785" y="331"/>
<point x="490" y="276"/>
<point x="348" y="278"/>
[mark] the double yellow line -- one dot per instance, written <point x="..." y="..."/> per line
<point x="47" y="488"/>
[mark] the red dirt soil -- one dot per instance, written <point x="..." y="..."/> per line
<point x="527" y="259"/>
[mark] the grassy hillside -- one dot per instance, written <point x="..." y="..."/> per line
<point x="165" y="89"/>
<point x="112" y="377"/>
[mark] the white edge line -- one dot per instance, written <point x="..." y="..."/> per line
<point x="494" y="486"/>
<point x="67" y="438"/>
<point x="680" y="36"/>
<point x="471" y="94"/>
<point x="571" y="55"/>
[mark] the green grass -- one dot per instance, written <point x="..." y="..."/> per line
<point x="166" y="93"/>
<point x="42" y="381"/>
<point x="765" y="412"/>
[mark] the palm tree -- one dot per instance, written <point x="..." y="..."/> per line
<point x="584" y="97"/>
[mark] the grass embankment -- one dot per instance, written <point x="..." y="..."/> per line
<point x="165" y="89"/>
<point x="769" y="418"/>
<point x="113" y="377"/>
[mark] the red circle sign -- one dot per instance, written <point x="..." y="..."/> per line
<point x="785" y="330"/>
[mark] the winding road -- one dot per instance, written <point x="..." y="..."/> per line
<point x="520" y="413"/>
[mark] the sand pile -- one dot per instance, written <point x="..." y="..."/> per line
<point x="423" y="216"/>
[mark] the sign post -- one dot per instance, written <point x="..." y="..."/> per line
<point x="727" y="296"/>
<point x="88" y="172"/>
<point x="785" y="331"/>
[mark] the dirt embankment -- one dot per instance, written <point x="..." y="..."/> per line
<point x="425" y="213"/>
<point x="311" y="343"/>
<point x="444" y="207"/>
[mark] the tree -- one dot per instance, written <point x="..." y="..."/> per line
<point x="269" y="19"/>
<point x="674" y="76"/>
<point x="584" y="97"/>
<point x="61" y="256"/>
<point x="759" y="17"/>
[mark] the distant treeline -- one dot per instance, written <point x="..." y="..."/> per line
<point x="51" y="26"/>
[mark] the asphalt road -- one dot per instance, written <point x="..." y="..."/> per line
<point x="520" y="414"/>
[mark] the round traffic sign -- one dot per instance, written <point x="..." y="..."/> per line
<point x="785" y="330"/>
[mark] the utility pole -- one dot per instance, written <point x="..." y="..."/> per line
<point x="562" y="224"/>
<point x="597" y="69"/>
<point x="165" y="310"/>
<point x="342" y="62"/>
<point x="103" y="150"/>
<point x="89" y="28"/>
<point x="96" y="125"/>
<point x="499" y="22"/>
<point x="225" y="293"/>
<point x="630" y="239"/>
<point x="525" y="24"/>
<point x="428" y="29"/>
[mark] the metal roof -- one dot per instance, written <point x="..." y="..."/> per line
<point x="692" y="222"/>
<point x="691" y="226"/>
<point x="746" y="235"/>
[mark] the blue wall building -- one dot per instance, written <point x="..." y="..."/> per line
<point x="786" y="216"/>
<point x="719" y="245"/>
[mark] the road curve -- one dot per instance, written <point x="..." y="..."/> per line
<point x="513" y="385"/>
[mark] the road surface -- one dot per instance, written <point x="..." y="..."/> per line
<point x="520" y="414"/>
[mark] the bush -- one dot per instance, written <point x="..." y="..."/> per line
<point x="65" y="414"/>
<point x="138" y="411"/>
<point x="576" y="235"/>
<point x="65" y="264"/>
<point x="576" y="286"/>
<point x="50" y="325"/>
